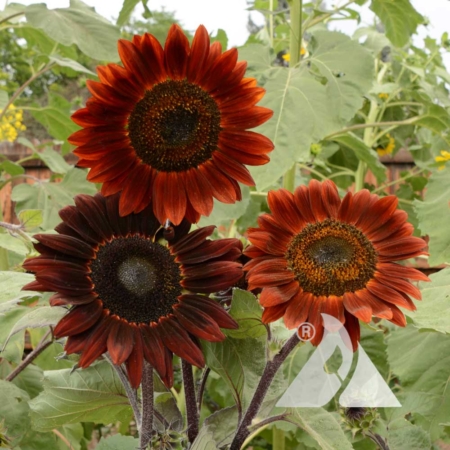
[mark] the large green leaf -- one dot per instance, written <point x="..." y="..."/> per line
<point x="399" y="17"/>
<point x="54" y="161"/>
<point x="436" y="119"/>
<point x="11" y="284"/>
<point x="204" y="440"/>
<point x="126" y="11"/>
<point x="94" y="394"/>
<point x="363" y="153"/>
<point x="78" y="25"/>
<point x="434" y="216"/>
<point x="421" y="360"/>
<point x="322" y="426"/>
<point x="247" y="312"/>
<point x="14" y="411"/>
<point x="433" y="312"/>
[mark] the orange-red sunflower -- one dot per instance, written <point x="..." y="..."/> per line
<point x="317" y="254"/>
<point x="132" y="293"/>
<point x="172" y="125"/>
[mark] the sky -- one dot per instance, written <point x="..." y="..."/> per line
<point x="232" y="15"/>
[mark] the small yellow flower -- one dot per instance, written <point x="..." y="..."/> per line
<point x="383" y="151"/>
<point x="383" y="95"/>
<point x="11" y="124"/>
<point x="445" y="156"/>
<point x="287" y="56"/>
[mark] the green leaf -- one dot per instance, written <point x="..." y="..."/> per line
<point x="14" y="411"/>
<point x="204" y="440"/>
<point x="322" y="426"/>
<point x="30" y="218"/>
<point x="221" y="36"/>
<point x="3" y="99"/>
<point x="408" y="437"/>
<point x="13" y="244"/>
<point x="11" y="284"/>
<point x="118" y="442"/>
<point x="14" y="352"/>
<point x="223" y="425"/>
<point x="54" y="161"/>
<point x="434" y="216"/>
<point x="436" y="119"/>
<point x="94" y="394"/>
<point x="30" y="380"/>
<point x="421" y="360"/>
<point x="239" y="362"/>
<point x="38" y="317"/>
<point x="399" y="17"/>
<point x="222" y="213"/>
<point x="72" y="64"/>
<point x="433" y="312"/>
<point x="78" y="25"/>
<point x="363" y="153"/>
<point x="126" y="11"/>
<point x="247" y="312"/>
<point x="166" y="405"/>
<point x="11" y="167"/>
<point x="349" y="69"/>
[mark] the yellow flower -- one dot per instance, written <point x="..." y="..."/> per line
<point x="287" y="56"/>
<point x="383" y="95"/>
<point x="11" y="124"/>
<point x="383" y="151"/>
<point x="442" y="159"/>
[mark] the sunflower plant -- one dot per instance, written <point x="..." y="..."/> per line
<point x="200" y="205"/>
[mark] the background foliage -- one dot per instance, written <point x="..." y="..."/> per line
<point x="351" y="105"/>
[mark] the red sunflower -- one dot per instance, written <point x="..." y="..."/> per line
<point x="317" y="254"/>
<point x="132" y="293"/>
<point x="172" y="125"/>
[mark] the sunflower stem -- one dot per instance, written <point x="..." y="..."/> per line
<point x="278" y="441"/>
<point x="191" y="402"/>
<point x="261" y="391"/>
<point x="131" y="393"/>
<point x="147" y="406"/>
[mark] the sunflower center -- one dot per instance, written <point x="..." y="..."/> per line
<point x="175" y="126"/>
<point x="331" y="258"/>
<point x="136" y="279"/>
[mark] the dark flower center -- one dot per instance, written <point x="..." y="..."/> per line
<point x="175" y="126"/>
<point x="136" y="279"/>
<point x="331" y="258"/>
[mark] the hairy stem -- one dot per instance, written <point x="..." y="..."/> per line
<point x="261" y="391"/>
<point x="201" y="388"/>
<point x="43" y="344"/>
<point x="191" y="402"/>
<point x="147" y="406"/>
<point x="131" y="393"/>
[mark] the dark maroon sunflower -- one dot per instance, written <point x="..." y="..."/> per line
<point x="317" y="254"/>
<point x="172" y="125"/>
<point x="132" y="293"/>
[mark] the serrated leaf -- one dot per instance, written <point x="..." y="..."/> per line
<point x="126" y="11"/>
<point x="77" y="25"/>
<point x="421" y="360"/>
<point x="14" y="411"/>
<point x="436" y="119"/>
<point x="433" y="312"/>
<point x="11" y="167"/>
<point x="399" y="17"/>
<point x="322" y="426"/>
<point x="434" y="216"/>
<point x="204" y="440"/>
<point x="72" y="64"/>
<point x="247" y="312"/>
<point x="363" y="153"/>
<point x="11" y="284"/>
<point x="13" y="244"/>
<point x="118" y="442"/>
<point x="38" y="317"/>
<point x="54" y="161"/>
<point x="94" y="394"/>
<point x="30" y="218"/>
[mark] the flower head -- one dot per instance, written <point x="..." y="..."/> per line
<point x="317" y="254"/>
<point x="442" y="159"/>
<point x="132" y="293"/>
<point x="388" y="148"/>
<point x="172" y="125"/>
<point x="11" y="124"/>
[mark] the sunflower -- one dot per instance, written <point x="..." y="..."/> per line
<point x="317" y="254"/>
<point x="172" y="125"/>
<point x="133" y="293"/>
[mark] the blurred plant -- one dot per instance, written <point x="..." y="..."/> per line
<point x="11" y="124"/>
